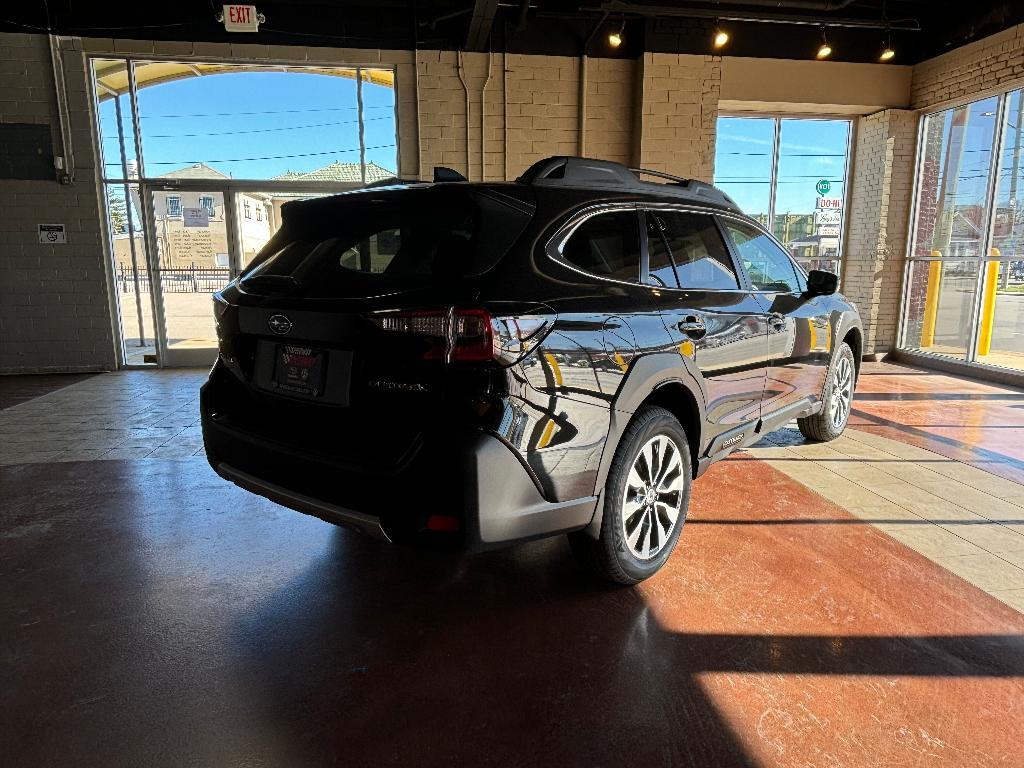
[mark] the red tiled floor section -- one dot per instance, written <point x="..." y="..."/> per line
<point x="963" y="419"/>
<point x="155" y="615"/>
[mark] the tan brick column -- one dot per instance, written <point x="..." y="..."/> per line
<point x="882" y="185"/>
<point x="677" y="114"/>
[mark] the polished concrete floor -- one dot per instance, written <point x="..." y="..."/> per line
<point x="152" y="614"/>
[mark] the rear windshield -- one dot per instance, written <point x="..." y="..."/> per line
<point x="375" y="242"/>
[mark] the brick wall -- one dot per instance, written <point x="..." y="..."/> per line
<point x="882" y="179"/>
<point x="543" y="103"/>
<point x="611" y="103"/>
<point x="659" y="111"/>
<point x="54" y="311"/>
<point x="678" y="114"/>
<point x="984" y="65"/>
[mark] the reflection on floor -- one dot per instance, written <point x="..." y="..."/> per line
<point x="162" y="616"/>
<point x="963" y="518"/>
<point x="963" y="419"/>
<point x="126" y="415"/>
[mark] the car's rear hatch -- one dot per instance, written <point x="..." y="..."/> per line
<point x="340" y="334"/>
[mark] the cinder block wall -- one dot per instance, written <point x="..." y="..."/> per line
<point x="679" y="112"/>
<point x="970" y="70"/>
<point x="54" y="311"/>
<point x="658" y="112"/>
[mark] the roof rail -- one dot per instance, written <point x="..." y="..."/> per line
<point x="604" y="174"/>
<point x="659" y="174"/>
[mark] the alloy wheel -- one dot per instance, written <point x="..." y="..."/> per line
<point x="842" y="392"/>
<point x="653" y="496"/>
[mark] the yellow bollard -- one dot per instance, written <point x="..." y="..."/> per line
<point x="931" y="302"/>
<point x="988" y="308"/>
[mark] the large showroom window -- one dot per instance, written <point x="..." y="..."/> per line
<point x="964" y="292"/>
<point x="791" y="175"/>
<point x="198" y="159"/>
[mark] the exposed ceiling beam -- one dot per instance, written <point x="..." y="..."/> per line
<point x="724" y="14"/>
<point x="480" y="24"/>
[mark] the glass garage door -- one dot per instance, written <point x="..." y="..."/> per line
<point x="197" y="160"/>
<point x="964" y="289"/>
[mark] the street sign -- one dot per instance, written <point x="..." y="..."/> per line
<point x="195" y="217"/>
<point x="52" y="234"/>
<point x="830" y="217"/>
<point x="823" y="186"/>
<point x="828" y="231"/>
<point x="830" y="202"/>
<point x="241" y="18"/>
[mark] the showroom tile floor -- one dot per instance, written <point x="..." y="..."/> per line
<point x="154" y="614"/>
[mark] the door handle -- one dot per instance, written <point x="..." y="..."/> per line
<point x="776" y="319"/>
<point x="692" y="326"/>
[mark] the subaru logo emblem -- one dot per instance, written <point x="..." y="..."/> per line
<point x="279" y="324"/>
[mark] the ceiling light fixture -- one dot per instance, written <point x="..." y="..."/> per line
<point x="825" y="50"/>
<point x="721" y="38"/>
<point x="616" y="37"/>
<point x="887" y="50"/>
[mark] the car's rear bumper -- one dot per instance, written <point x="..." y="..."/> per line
<point x="459" y="473"/>
<point x="331" y="513"/>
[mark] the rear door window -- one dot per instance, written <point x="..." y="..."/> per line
<point x="697" y="250"/>
<point x="607" y="245"/>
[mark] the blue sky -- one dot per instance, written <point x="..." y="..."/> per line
<point x="809" y="150"/>
<point x="254" y="125"/>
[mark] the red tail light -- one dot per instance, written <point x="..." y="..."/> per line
<point x="472" y="338"/>
<point x="468" y="335"/>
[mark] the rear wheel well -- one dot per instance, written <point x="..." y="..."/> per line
<point x="680" y="402"/>
<point x="852" y="338"/>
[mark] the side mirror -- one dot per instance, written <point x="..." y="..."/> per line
<point x="821" y="283"/>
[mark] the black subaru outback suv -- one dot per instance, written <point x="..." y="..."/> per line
<point x="482" y="363"/>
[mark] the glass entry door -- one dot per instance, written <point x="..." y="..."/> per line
<point x="200" y="234"/>
<point x="193" y="251"/>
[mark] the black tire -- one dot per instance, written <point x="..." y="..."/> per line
<point x="611" y="556"/>
<point x="823" y="426"/>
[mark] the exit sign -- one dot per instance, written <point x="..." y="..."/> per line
<point x="241" y="18"/>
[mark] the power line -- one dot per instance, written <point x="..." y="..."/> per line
<point x="267" y="112"/>
<point x="259" y="130"/>
<point x="269" y="157"/>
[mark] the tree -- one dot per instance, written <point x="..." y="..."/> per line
<point x="118" y="213"/>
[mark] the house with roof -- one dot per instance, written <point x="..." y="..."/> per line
<point x="344" y="173"/>
<point x="191" y="229"/>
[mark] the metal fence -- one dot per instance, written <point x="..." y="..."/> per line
<point x="175" y="280"/>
